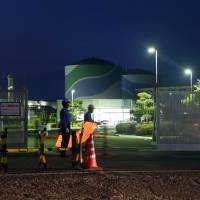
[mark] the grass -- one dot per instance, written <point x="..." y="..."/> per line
<point x="116" y="142"/>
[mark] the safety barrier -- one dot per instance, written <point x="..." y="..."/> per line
<point x="80" y="144"/>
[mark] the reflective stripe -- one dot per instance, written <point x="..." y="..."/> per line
<point x="92" y="156"/>
<point x="91" y="143"/>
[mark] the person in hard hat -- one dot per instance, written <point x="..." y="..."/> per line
<point x="65" y="125"/>
<point x="89" y="115"/>
<point x="4" y="163"/>
<point x="42" y="158"/>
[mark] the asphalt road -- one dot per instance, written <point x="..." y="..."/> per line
<point x="115" y="160"/>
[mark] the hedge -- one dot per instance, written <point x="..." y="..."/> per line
<point x="142" y="129"/>
<point x="126" y="128"/>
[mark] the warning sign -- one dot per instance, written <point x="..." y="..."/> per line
<point x="10" y="109"/>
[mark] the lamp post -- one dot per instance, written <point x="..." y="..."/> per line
<point x="72" y="92"/>
<point x="153" y="50"/>
<point x="189" y="72"/>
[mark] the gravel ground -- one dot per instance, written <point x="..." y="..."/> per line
<point x="101" y="185"/>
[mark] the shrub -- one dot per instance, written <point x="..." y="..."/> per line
<point x="31" y="126"/>
<point x="77" y="124"/>
<point x="144" y="129"/>
<point x="126" y="128"/>
<point x="51" y="125"/>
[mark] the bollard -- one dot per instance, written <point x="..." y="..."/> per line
<point x="82" y="150"/>
<point x="42" y="158"/>
<point x="4" y="160"/>
<point x="75" y="150"/>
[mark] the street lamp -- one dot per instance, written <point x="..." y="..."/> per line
<point x="152" y="50"/>
<point x="189" y="72"/>
<point x="72" y="92"/>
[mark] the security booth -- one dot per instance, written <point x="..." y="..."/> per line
<point x="13" y="116"/>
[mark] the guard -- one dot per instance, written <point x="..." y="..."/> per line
<point x="65" y="125"/>
<point x="89" y="155"/>
<point x="88" y="117"/>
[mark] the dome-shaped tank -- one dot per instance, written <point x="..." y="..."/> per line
<point x="133" y="80"/>
<point x="93" y="78"/>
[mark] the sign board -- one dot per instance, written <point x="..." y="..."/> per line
<point x="10" y="109"/>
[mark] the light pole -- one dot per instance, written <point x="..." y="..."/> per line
<point x="72" y="92"/>
<point x="189" y="72"/>
<point x="152" y="50"/>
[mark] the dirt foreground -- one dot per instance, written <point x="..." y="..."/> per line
<point x="101" y="185"/>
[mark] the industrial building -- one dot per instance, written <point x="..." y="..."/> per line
<point x="106" y="85"/>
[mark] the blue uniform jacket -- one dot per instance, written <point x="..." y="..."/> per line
<point x="65" y="118"/>
<point x="89" y="117"/>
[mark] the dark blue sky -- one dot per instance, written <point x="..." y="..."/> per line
<point x="39" y="37"/>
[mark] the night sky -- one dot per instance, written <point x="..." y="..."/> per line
<point x="39" y="37"/>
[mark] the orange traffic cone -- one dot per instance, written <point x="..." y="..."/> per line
<point x="91" y="159"/>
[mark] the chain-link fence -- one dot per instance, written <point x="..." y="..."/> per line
<point x="16" y="124"/>
<point x="178" y="119"/>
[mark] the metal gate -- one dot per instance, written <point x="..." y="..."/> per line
<point x="178" y="119"/>
<point x="13" y="116"/>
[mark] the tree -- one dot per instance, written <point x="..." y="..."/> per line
<point x="194" y="96"/>
<point x="47" y="113"/>
<point x="52" y="118"/>
<point x="143" y="109"/>
<point x="76" y="109"/>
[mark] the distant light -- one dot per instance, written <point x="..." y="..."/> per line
<point x="10" y="88"/>
<point x="151" y="50"/>
<point x="43" y="103"/>
<point x="30" y="103"/>
<point x="188" y="71"/>
<point x="73" y="91"/>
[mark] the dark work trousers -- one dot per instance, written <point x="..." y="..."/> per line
<point x="65" y="141"/>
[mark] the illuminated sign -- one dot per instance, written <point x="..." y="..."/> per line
<point x="10" y="109"/>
